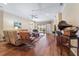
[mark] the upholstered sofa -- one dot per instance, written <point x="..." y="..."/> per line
<point x="16" y="37"/>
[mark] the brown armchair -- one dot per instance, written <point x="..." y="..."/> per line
<point x="25" y="36"/>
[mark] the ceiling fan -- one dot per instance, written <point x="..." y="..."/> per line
<point x="34" y="16"/>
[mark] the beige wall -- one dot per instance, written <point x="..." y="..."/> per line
<point x="1" y="23"/>
<point x="71" y="13"/>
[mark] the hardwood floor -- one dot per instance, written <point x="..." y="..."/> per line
<point x="45" y="46"/>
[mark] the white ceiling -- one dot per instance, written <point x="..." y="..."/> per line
<point x="40" y="11"/>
